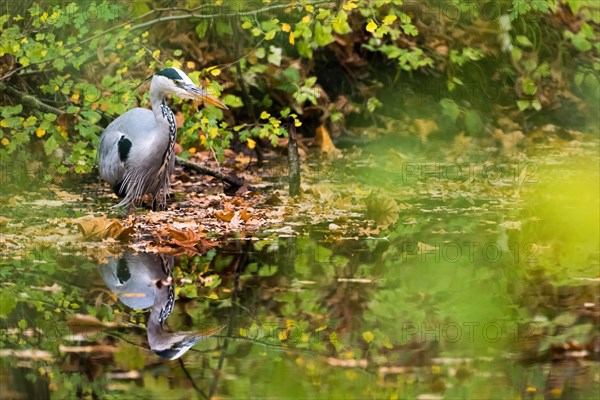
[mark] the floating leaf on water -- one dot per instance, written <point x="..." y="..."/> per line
<point x="29" y="354"/>
<point x="515" y="225"/>
<point x="323" y="139"/>
<point x="97" y="228"/>
<point x="382" y="209"/>
<point x="244" y="215"/>
<point x="225" y="215"/>
<point x="185" y="238"/>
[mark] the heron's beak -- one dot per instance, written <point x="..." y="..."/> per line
<point x="206" y="333"/>
<point x="200" y="94"/>
<point x="173" y="345"/>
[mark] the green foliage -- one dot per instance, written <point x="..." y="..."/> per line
<point x="523" y="7"/>
<point x="58" y="44"/>
<point x="90" y="68"/>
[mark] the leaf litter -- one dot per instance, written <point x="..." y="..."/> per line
<point x="333" y="200"/>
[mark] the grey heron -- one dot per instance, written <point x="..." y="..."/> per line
<point x="136" y="150"/>
<point x="145" y="280"/>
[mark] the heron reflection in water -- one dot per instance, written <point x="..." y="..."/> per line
<point x="145" y="280"/>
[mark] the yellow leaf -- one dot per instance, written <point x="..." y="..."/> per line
<point x="203" y="140"/>
<point x="5" y="141"/>
<point x="190" y="64"/>
<point x="333" y="338"/>
<point x="192" y="150"/>
<point x="387" y="344"/>
<point x="286" y="27"/>
<point x="368" y="336"/>
<point x="297" y="123"/>
<point x="44" y="16"/>
<point x="310" y="8"/>
<point x="40" y="132"/>
<point x="4" y="123"/>
<point x="306" y="19"/>
<point x="251" y="143"/>
<point x="215" y="72"/>
<point x="282" y="335"/>
<point x="323" y="138"/>
<point x="292" y="38"/>
<point x="371" y="26"/>
<point x="389" y="19"/>
<point x="156" y="53"/>
<point x="361" y="192"/>
<point x="127" y="26"/>
<point x="350" y="5"/>
<point x="264" y="115"/>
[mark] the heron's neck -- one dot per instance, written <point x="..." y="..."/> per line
<point x="163" y="114"/>
<point x="162" y="307"/>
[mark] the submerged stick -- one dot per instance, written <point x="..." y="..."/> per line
<point x="293" y="159"/>
<point x="238" y="183"/>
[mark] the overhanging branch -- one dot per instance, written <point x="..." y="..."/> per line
<point x="32" y="102"/>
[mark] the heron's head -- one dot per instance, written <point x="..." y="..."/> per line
<point x="172" y="345"/>
<point x="175" y="81"/>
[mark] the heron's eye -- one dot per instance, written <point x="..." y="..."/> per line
<point x="178" y="82"/>
<point x="175" y="346"/>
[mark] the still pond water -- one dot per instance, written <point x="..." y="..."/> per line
<point x="478" y="280"/>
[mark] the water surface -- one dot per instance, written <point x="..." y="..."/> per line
<point x="477" y="278"/>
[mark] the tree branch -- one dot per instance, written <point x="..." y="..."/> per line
<point x="32" y="102"/>
<point x="189" y="15"/>
<point x="29" y="100"/>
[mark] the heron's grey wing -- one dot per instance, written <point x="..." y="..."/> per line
<point x="120" y="139"/>
<point x="110" y="165"/>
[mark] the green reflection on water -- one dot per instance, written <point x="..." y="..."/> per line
<point x="462" y="296"/>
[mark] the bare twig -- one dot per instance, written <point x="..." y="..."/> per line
<point x="187" y="374"/>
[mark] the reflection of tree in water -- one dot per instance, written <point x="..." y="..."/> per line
<point x="146" y="280"/>
<point x="567" y="341"/>
<point x="271" y="270"/>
